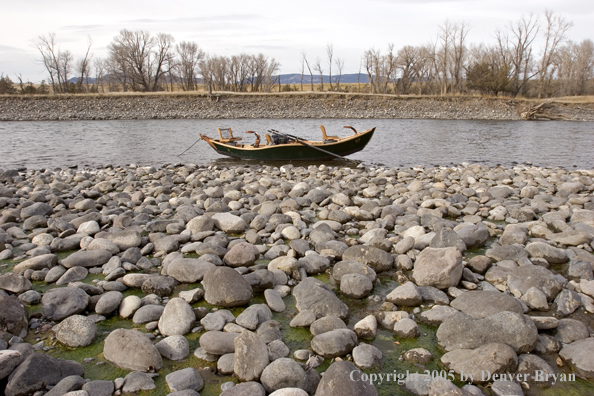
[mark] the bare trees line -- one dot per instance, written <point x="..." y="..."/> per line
<point x="511" y="65"/>
<point x="139" y="61"/>
<point x="450" y="65"/>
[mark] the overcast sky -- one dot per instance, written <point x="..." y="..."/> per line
<point x="279" y="29"/>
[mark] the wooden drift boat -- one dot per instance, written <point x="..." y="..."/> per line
<point x="284" y="147"/>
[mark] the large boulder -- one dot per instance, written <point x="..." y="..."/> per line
<point x="251" y="356"/>
<point x="15" y="283"/>
<point x="76" y="331"/>
<point x="125" y="239"/>
<point x="471" y="364"/>
<point x="36" y="263"/>
<point x="579" y="356"/>
<point x="314" y="295"/>
<point x="87" y="258"/>
<point x="334" y="343"/>
<point x="13" y="315"/>
<point x="188" y="270"/>
<point x="218" y="342"/>
<point x="371" y="256"/>
<point x="177" y="318"/>
<point x="242" y="254"/>
<point x="550" y="253"/>
<point x="229" y="223"/>
<point x="287" y="373"/>
<point x="225" y="287"/>
<point x="441" y="268"/>
<point x="480" y="304"/>
<point x="460" y="331"/>
<point x="39" y="371"/>
<point x="526" y="276"/>
<point x="57" y="304"/>
<point x="132" y="350"/>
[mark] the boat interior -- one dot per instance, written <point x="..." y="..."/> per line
<point x="226" y="137"/>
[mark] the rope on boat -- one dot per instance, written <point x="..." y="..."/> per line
<point x="200" y="138"/>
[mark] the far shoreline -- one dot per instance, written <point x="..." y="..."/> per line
<point x="228" y="105"/>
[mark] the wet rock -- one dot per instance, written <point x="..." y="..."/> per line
<point x="274" y="300"/>
<point x="326" y="324"/>
<point x="536" y="369"/>
<point x="132" y="350"/>
<point x="417" y="356"/>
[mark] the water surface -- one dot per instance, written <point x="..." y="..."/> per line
<point x="397" y="143"/>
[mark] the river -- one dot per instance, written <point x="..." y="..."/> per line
<point x="397" y="143"/>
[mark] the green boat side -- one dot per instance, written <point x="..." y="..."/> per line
<point x="294" y="151"/>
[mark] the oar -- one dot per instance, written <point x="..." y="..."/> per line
<point x="298" y="140"/>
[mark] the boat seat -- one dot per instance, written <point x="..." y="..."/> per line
<point x="225" y="139"/>
<point x="269" y="140"/>
<point x="326" y="137"/>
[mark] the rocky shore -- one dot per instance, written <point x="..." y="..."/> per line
<point x="193" y="106"/>
<point x="313" y="280"/>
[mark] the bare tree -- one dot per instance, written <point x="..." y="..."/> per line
<point x="319" y="69"/>
<point x="330" y="55"/>
<point x="100" y="67"/>
<point x="339" y="66"/>
<point x="515" y="48"/>
<point x="83" y="67"/>
<point x="142" y="59"/>
<point x="190" y="56"/>
<point x="554" y="35"/>
<point x="304" y="60"/>
<point x="575" y="68"/>
<point x="56" y="62"/>
<point x="459" y="54"/>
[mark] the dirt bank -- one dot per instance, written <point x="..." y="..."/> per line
<point x="324" y="105"/>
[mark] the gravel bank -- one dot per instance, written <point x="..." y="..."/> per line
<point x="168" y="106"/>
<point x="210" y="276"/>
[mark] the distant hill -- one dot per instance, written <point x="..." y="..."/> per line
<point x="294" y="78"/>
<point x="344" y="79"/>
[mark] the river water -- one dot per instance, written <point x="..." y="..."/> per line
<point x="397" y="143"/>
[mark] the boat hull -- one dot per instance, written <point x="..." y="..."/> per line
<point x="296" y="151"/>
